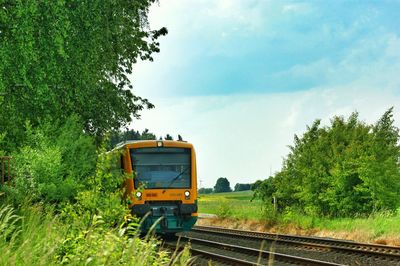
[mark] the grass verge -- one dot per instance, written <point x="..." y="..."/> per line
<point x="232" y="204"/>
<point x="34" y="235"/>
<point x="235" y="210"/>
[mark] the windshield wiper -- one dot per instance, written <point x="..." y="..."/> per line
<point x="175" y="178"/>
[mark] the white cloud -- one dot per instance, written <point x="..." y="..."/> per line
<point x="243" y="137"/>
<point x="296" y="8"/>
<point x="370" y="60"/>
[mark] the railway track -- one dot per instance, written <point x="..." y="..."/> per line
<point x="257" y="248"/>
<point x="229" y="254"/>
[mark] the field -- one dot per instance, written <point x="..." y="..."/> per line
<point x="235" y="210"/>
<point x="231" y="204"/>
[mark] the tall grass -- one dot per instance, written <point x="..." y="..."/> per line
<point x="35" y="236"/>
<point x="31" y="239"/>
<point x="68" y="206"/>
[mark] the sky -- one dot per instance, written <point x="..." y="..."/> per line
<point x="238" y="78"/>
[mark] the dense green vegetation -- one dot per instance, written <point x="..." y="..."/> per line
<point x="117" y="136"/>
<point x="205" y="190"/>
<point x="345" y="169"/>
<point x="71" y="58"/>
<point x="52" y="216"/>
<point x="64" y="87"/>
<point x="242" y="187"/>
<point x="64" y="206"/>
<point x="343" y="178"/>
<point x="239" y="208"/>
<point x="222" y="185"/>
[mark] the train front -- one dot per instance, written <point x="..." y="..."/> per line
<point x="165" y="184"/>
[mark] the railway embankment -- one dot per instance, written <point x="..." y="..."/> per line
<point x="361" y="235"/>
<point x="236" y="210"/>
<point x="240" y="247"/>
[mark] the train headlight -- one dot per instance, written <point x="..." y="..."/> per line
<point x="139" y="195"/>
<point x="159" y="144"/>
<point x="187" y="194"/>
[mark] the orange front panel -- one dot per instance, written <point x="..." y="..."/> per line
<point x="168" y="195"/>
<point x="172" y="194"/>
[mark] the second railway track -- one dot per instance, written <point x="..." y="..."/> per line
<point x="315" y="249"/>
<point x="230" y="254"/>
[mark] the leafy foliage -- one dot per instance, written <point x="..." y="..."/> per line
<point x="118" y="136"/>
<point x="222" y="185"/>
<point x="8" y="221"/>
<point x="63" y="86"/>
<point x="95" y="228"/>
<point x="54" y="163"/>
<point x="255" y="185"/>
<point x="168" y="137"/>
<point x="242" y="187"/>
<point x="36" y="236"/>
<point x="343" y="169"/>
<point x="224" y="210"/>
<point x="60" y="58"/>
<point x="205" y="190"/>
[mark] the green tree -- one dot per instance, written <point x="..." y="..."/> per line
<point x="256" y="184"/>
<point x="60" y="58"/>
<point x="205" y="190"/>
<point x="147" y="135"/>
<point x="118" y="136"/>
<point x="380" y="171"/>
<point x="242" y="187"/>
<point x="343" y="169"/>
<point x="222" y="185"/>
<point x="55" y="163"/>
<point x="168" y="137"/>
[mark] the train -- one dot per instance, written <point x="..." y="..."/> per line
<point x="163" y="190"/>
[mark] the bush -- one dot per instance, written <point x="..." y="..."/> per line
<point x="2" y="136"/>
<point x="53" y="164"/>
<point x="224" y="210"/>
<point x="102" y="245"/>
<point x="89" y="230"/>
<point x="70" y="206"/>
<point x="346" y="169"/>
<point x="38" y="237"/>
<point x="271" y="216"/>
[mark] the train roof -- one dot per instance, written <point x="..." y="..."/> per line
<point x="168" y="143"/>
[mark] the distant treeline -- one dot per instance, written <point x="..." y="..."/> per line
<point x="223" y="185"/>
<point x="118" y="136"/>
<point x="345" y="169"/>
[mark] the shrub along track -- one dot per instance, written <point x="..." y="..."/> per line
<point x="251" y="248"/>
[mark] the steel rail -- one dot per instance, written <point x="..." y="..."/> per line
<point x="256" y="254"/>
<point x="389" y="252"/>
<point x="212" y="256"/>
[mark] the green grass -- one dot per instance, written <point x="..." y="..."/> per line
<point x="232" y="204"/>
<point x="35" y="236"/>
<point x="377" y="225"/>
<point x="237" y="205"/>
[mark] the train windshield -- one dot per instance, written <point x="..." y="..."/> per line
<point x="161" y="167"/>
